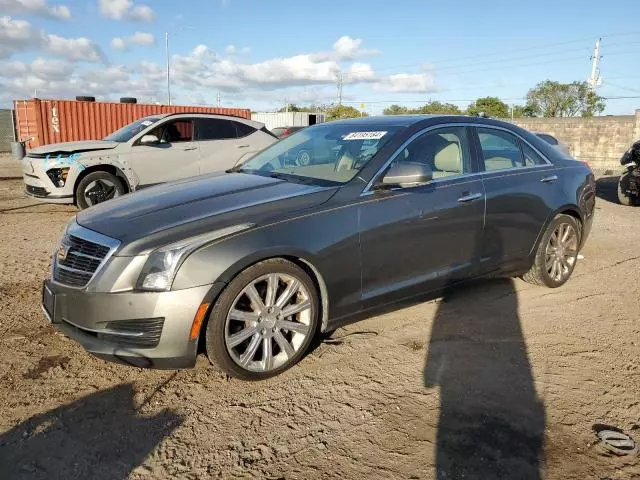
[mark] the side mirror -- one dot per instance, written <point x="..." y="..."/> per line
<point x="147" y="139"/>
<point x="407" y="174"/>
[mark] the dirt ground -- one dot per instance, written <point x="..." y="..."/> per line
<point x="496" y="379"/>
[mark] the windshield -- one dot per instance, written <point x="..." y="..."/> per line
<point x="127" y="132"/>
<point x="328" y="153"/>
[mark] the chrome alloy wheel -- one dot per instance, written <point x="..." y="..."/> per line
<point x="268" y="322"/>
<point x="99" y="191"/>
<point x="562" y="251"/>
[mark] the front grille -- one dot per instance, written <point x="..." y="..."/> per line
<point x="82" y="259"/>
<point x="37" y="191"/>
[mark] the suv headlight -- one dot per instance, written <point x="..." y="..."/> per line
<point x="161" y="267"/>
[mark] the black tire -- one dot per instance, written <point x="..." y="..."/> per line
<point x="215" y="331"/>
<point x="82" y="98"/>
<point x="623" y="186"/>
<point x="128" y="100"/>
<point x="117" y="183"/>
<point x="538" y="274"/>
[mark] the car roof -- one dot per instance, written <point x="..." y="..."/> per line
<point x="253" y="123"/>
<point x="425" y="120"/>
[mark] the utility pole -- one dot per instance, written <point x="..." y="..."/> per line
<point x="286" y="105"/>
<point x="218" y="99"/>
<point x="340" y="83"/>
<point x="166" y="47"/>
<point x="595" y="80"/>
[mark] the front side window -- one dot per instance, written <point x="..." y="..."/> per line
<point x="174" y="131"/>
<point x="323" y="154"/>
<point x="501" y="150"/>
<point x="215" y="129"/>
<point x="444" y="151"/>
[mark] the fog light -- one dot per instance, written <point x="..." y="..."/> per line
<point x="58" y="176"/>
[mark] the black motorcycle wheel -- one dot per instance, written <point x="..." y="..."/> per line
<point x="623" y="188"/>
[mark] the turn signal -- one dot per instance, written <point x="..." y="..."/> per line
<point x="197" y="321"/>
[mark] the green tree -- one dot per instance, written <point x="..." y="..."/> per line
<point x="291" y="108"/>
<point x="491" y="106"/>
<point x="555" y="99"/>
<point x="395" y="110"/>
<point x="523" y="111"/>
<point x="438" y="107"/>
<point x="337" y="112"/>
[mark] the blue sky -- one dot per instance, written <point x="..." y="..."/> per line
<point x="258" y="53"/>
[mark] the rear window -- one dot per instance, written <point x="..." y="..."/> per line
<point x="243" y="129"/>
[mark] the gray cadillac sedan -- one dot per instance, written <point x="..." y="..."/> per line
<point x="250" y="264"/>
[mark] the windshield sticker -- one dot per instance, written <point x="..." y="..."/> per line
<point x="365" y="136"/>
<point x="146" y="123"/>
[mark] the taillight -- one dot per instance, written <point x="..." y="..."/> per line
<point x="286" y="132"/>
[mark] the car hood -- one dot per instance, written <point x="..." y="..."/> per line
<point x="173" y="211"/>
<point x="74" y="147"/>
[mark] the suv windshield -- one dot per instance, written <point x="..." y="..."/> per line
<point x="127" y="132"/>
<point x="328" y="153"/>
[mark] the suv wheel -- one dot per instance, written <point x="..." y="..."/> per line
<point x="264" y="320"/>
<point x="98" y="187"/>
<point x="557" y="253"/>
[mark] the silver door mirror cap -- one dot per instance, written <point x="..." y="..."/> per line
<point x="146" y="139"/>
<point x="407" y="174"/>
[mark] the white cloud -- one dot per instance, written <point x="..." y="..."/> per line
<point x="50" y="69"/>
<point x="138" y="38"/>
<point x="74" y="48"/>
<point x="406" y="82"/>
<point x="359" y="72"/>
<point x="35" y="7"/>
<point x="126" y="10"/>
<point x="19" y="36"/>
<point x="118" y="43"/>
<point x="231" y="49"/>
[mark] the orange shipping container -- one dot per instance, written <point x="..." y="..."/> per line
<point x="55" y="121"/>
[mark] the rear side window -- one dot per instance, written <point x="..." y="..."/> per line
<point x="531" y="157"/>
<point x="215" y="129"/>
<point x="243" y="129"/>
<point x="501" y="150"/>
<point x="548" y="138"/>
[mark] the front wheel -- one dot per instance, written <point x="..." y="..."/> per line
<point x="264" y="320"/>
<point x="557" y="253"/>
<point x="98" y="187"/>
<point x="624" y="196"/>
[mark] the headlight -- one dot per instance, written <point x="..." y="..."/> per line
<point x="161" y="267"/>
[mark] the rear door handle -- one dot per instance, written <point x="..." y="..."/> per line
<point x="549" y="179"/>
<point x="470" y="197"/>
<point x="242" y="146"/>
<point x="186" y="149"/>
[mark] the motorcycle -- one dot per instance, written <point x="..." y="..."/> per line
<point x="629" y="182"/>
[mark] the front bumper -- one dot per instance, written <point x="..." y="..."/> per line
<point x="142" y="329"/>
<point x="39" y="186"/>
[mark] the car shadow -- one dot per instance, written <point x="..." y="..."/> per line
<point x="491" y="421"/>
<point x="607" y="188"/>
<point x="98" y="436"/>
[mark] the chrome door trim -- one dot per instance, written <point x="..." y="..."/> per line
<point x="368" y="189"/>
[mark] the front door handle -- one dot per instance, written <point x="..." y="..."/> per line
<point x="549" y="179"/>
<point x="469" y="197"/>
<point x="242" y="146"/>
<point x="186" y="149"/>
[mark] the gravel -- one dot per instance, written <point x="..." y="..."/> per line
<point x="495" y="379"/>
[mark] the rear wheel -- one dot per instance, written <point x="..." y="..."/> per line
<point x="624" y="197"/>
<point x="98" y="187"/>
<point x="264" y="321"/>
<point x="557" y="253"/>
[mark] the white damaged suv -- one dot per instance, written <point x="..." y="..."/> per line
<point x="149" y="151"/>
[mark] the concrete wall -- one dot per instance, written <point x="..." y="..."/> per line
<point x="6" y="130"/>
<point x="601" y="141"/>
